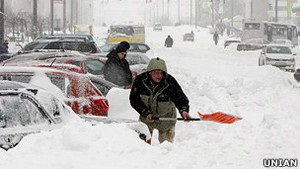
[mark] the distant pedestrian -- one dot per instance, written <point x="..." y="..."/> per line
<point x="228" y="31"/>
<point x="169" y="42"/>
<point x="216" y="37"/>
<point x="4" y="47"/>
<point x="116" y="68"/>
<point x="192" y="32"/>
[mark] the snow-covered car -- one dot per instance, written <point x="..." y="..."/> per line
<point x="81" y="45"/>
<point x="75" y="89"/>
<point x="85" y="64"/>
<point x="188" y="37"/>
<point x="277" y="55"/>
<point x="67" y="36"/>
<point x="76" y="62"/>
<point x="157" y="27"/>
<point x="138" y="62"/>
<point x="40" y="55"/>
<point x="252" y="44"/>
<point x="27" y="109"/>
<point x="231" y="40"/>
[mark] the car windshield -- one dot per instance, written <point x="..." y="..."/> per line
<point x="279" y="49"/>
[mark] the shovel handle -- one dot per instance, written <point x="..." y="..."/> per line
<point x="173" y="119"/>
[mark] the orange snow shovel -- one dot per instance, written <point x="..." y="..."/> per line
<point x="218" y="117"/>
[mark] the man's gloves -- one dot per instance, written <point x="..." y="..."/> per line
<point x="185" y="115"/>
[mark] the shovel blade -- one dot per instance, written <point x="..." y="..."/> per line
<point x="219" y="117"/>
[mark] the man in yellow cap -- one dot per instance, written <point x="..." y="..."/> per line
<point x="155" y="93"/>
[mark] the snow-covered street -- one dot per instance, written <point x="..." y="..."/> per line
<point x="214" y="79"/>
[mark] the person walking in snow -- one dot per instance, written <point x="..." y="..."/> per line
<point x="216" y="37"/>
<point x="169" y="42"/>
<point x="116" y="68"/>
<point x="4" y="47"/>
<point x="155" y="93"/>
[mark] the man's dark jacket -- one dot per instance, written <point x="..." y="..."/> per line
<point x="117" y="70"/>
<point x="4" y="48"/>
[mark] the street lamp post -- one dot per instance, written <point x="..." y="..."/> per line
<point x="51" y="17"/>
<point x="34" y="22"/>
<point x="2" y="21"/>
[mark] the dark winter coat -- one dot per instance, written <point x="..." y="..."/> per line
<point x="117" y="70"/>
<point x="160" y="100"/>
<point x="169" y="42"/>
<point x="4" y="48"/>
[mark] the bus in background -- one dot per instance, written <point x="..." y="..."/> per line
<point x="269" y="31"/>
<point x="83" y="29"/>
<point x="129" y="33"/>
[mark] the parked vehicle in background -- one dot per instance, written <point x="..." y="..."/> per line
<point x="138" y="62"/>
<point x="188" y="37"/>
<point x="129" y="33"/>
<point x="231" y="40"/>
<point x="157" y="27"/>
<point x="67" y="36"/>
<point x="280" y="56"/>
<point x="134" y="47"/>
<point x="269" y="31"/>
<point x="81" y="45"/>
<point x="75" y="89"/>
<point x="252" y="44"/>
<point x="27" y="109"/>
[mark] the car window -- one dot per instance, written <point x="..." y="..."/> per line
<point x="108" y="47"/>
<point x="100" y="86"/>
<point x="25" y="78"/>
<point x="19" y="111"/>
<point x="76" y="63"/>
<point x="53" y="45"/>
<point x="142" y="47"/>
<point x="34" y="45"/>
<point x="133" y="60"/>
<point x="60" y="82"/>
<point x="95" y="67"/>
<point x="132" y="47"/>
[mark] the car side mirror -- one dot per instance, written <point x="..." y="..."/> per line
<point x="294" y="54"/>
